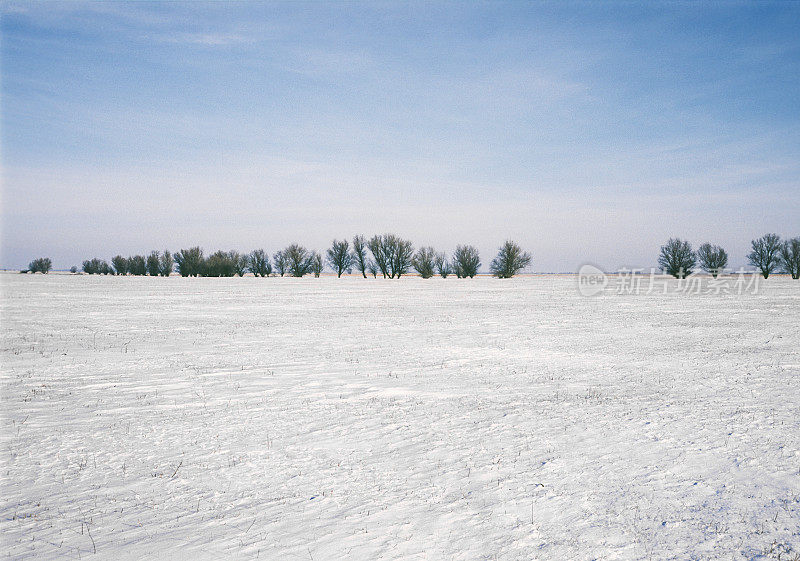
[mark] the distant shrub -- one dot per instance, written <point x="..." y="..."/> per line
<point x="316" y="264"/>
<point x="190" y="262"/>
<point x="239" y="262"/>
<point x="96" y="266"/>
<point x="73" y="269"/>
<point x="443" y="266"/>
<point x="40" y="265"/>
<point x="466" y="261"/>
<point x="258" y="263"/>
<point x="120" y="264"/>
<point x="153" y="264"/>
<point x="165" y="263"/>
<point x="220" y="264"/>
<point x="424" y="262"/>
<point x="137" y="265"/>
<point x="509" y="261"/>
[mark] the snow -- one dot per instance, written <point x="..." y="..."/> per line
<point x="415" y="419"/>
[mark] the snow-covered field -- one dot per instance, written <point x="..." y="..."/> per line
<point x="334" y="418"/>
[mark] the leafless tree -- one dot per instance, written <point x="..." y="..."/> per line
<point x="403" y="254"/>
<point x="96" y="266"/>
<point x="298" y="260"/>
<point x="424" y="261"/>
<point x="466" y="261"/>
<point x="165" y="264"/>
<point x="509" y="261"/>
<point x="766" y="253"/>
<point x="360" y="254"/>
<point x="677" y="258"/>
<point x="137" y="265"/>
<point x="391" y="254"/>
<point x="379" y="258"/>
<point x="153" y="264"/>
<point x="220" y="264"/>
<point x="339" y="257"/>
<point x="372" y="267"/>
<point x="259" y="264"/>
<point x="239" y="262"/>
<point x="190" y="262"/>
<point x="120" y="264"/>
<point x="443" y="265"/>
<point x="40" y="265"/>
<point x="316" y="264"/>
<point x="790" y="257"/>
<point x="281" y="263"/>
<point x="712" y="258"/>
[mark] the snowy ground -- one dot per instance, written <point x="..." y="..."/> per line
<point x="366" y="419"/>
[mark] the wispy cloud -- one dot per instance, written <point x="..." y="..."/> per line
<point x="205" y="39"/>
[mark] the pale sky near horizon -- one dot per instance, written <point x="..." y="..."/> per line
<point x="587" y="132"/>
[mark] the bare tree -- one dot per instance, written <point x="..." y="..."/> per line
<point x="40" y="265"/>
<point x="281" y="264"/>
<point x="766" y="253"/>
<point x="391" y="254"/>
<point x="165" y="264"/>
<point x="509" y="261"/>
<point x="96" y="266"/>
<point x="239" y="262"/>
<point x="259" y="264"/>
<point x="137" y="265"/>
<point x="298" y="260"/>
<point x="190" y="261"/>
<point x="316" y="264"/>
<point x="219" y="264"/>
<point x="372" y="267"/>
<point x="360" y="254"/>
<point x="120" y="264"/>
<point x="424" y="261"/>
<point x="339" y="257"/>
<point x="380" y="260"/>
<point x="790" y="257"/>
<point x="677" y="258"/>
<point x="466" y="261"/>
<point x="401" y="260"/>
<point x="443" y="265"/>
<point x="153" y="264"/>
<point x="712" y="258"/>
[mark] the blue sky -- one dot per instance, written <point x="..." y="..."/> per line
<point x="585" y="131"/>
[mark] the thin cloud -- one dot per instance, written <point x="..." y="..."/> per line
<point x="205" y="39"/>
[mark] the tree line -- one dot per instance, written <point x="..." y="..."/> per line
<point x="392" y="257"/>
<point x="768" y="254"/>
<point x="388" y="255"/>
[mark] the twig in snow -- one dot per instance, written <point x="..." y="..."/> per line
<point x="176" y="470"/>
<point x="89" y="533"/>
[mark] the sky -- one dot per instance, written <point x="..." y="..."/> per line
<point x="585" y="131"/>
